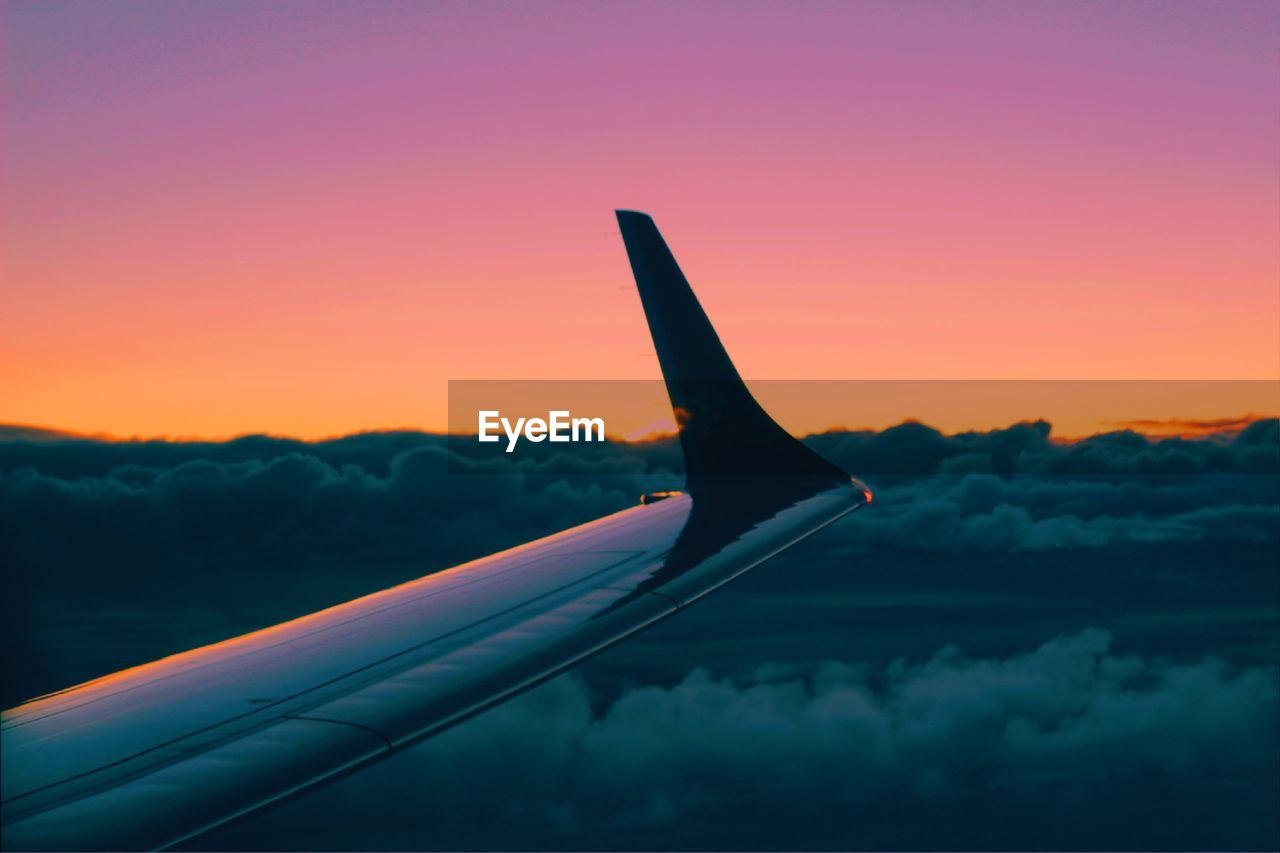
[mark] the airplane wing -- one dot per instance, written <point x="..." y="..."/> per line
<point x="155" y="755"/>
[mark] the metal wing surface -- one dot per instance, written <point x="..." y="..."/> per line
<point x="158" y="754"/>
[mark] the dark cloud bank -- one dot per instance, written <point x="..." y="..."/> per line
<point x="1020" y="644"/>
<point x="1068" y="745"/>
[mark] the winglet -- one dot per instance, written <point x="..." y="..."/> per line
<point x="723" y="430"/>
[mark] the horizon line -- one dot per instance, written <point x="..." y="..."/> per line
<point x="1154" y="428"/>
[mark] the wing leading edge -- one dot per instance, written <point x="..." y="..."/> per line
<point x="158" y="754"/>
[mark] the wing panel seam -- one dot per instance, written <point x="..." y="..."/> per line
<point x="360" y="726"/>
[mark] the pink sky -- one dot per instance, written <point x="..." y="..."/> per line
<point x="305" y="218"/>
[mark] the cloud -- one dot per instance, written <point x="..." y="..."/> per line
<point x="984" y="512"/>
<point x="209" y="524"/>
<point x="909" y="449"/>
<point x="1001" y="538"/>
<point x="1189" y="427"/>
<point x="914" y="449"/>
<point x="293" y="505"/>
<point x="383" y="499"/>
<point x="1009" y="742"/>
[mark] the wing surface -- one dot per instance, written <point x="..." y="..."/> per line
<point x="158" y="754"/>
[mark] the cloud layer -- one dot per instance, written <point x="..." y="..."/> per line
<point x="995" y="748"/>
<point x="385" y="498"/>
<point x="1116" y="598"/>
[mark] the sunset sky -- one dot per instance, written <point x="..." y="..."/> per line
<point x="305" y="218"/>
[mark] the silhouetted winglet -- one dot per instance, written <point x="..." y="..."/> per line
<point x="723" y="430"/>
